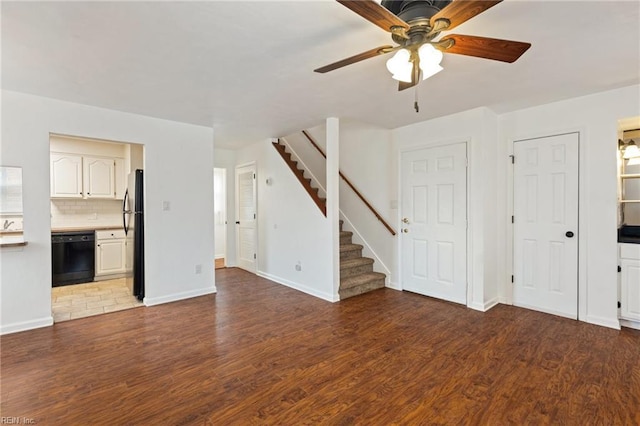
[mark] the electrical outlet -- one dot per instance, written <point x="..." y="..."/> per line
<point x="166" y="206"/>
<point x="198" y="269"/>
<point x="298" y="266"/>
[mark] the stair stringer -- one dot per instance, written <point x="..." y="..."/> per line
<point x="367" y="250"/>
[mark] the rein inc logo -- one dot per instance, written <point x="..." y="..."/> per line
<point x="17" y="421"/>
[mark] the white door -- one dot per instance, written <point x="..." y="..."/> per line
<point x="220" y="211"/>
<point x="545" y="232"/>
<point x="434" y="229"/>
<point x="246" y="217"/>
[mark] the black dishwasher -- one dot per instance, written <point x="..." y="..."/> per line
<point x="72" y="257"/>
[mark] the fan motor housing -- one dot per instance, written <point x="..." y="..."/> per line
<point x="414" y="10"/>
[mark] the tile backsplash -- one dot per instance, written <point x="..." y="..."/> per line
<point x="72" y="213"/>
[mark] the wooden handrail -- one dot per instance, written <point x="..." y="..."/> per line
<point x="348" y="182"/>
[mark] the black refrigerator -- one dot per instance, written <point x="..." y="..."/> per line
<point x="133" y="221"/>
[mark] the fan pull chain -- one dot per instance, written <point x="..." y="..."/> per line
<point x="415" y="103"/>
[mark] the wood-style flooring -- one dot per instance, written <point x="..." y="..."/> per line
<point x="261" y="353"/>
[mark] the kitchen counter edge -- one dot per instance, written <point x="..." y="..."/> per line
<point x="86" y="228"/>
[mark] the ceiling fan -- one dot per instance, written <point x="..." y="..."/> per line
<point x="415" y="24"/>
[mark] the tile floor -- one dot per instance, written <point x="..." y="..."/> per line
<point x="85" y="300"/>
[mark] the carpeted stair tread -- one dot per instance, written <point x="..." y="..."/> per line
<point x="360" y="284"/>
<point x="350" y="247"/>
<point x="345" y="237"/>
<point x="359" y="261"/>
<point x="358" y="280"/>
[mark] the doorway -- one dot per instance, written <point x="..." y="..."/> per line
<point x="545" y="218"/>
<point x="246" y="214"/>
<point x="433" y="238"/>
<point x="89" y="245"/>
<point x="220" y="215"/>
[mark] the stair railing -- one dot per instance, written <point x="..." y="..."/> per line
<point x="348" y="182"/>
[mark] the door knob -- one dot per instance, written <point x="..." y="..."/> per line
<point x="569" y="234"/>
<point x="405" y="220"/>
<point x="237" y="222"/>
<point x="405" y="230"/>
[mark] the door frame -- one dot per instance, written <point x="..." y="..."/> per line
<point x="237" y="201"/>
<point x="582" y="215"/>
<point x="469" y="233"/>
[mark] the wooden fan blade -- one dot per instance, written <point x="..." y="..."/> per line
<point x="375" y="13"/>
<point x="459" y="11"/>
<point x="483" y="47"/>
<point x="357" y="58"/>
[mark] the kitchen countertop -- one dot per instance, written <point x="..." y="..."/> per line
<point x="84" y="228"/>
<point x="629" y="234"/>
<point x="12" y="239"/>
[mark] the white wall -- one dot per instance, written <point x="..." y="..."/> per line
<point x="178" y="169"/>
<point x="595" y="117"/>
<point x="478" y="128"/>
<point x="313" y="162"/>
<point x="291" y="228"/>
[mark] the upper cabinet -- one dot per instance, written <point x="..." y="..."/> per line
<point x="91" y="169"/>
<point x="78" y="176"/>
<point x="66" y="176"/>
<point x="98" y="180"/>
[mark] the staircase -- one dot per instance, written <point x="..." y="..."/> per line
<point x="299" y="173"/>
<point x="356" y="272"/>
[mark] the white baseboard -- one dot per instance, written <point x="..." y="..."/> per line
<point x="630" y="324"/>
<point x="26" y="325"/>
<point x="394" y="286"/>
<point x="605" y="322"/>
<point x="483" y="307"/>
<point x="300" y="287"/>
<point x="151" y="301"/>
<point x="108" y="277"/>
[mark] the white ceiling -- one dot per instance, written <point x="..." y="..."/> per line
<point x="246" y="67"/>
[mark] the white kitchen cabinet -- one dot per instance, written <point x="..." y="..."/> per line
<point x="630" y="282"/>
<point x="83" y="176"/>
<point x="66" y="175"/>
<point x="98" y="177"/>
<point x="110" y="253"/>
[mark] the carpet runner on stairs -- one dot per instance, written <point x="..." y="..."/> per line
<point x="356" y="272"/>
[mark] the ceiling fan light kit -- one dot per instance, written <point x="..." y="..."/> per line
<point x="415" y="25"/>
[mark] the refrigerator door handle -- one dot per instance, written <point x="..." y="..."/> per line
<point x="125" y="212"/>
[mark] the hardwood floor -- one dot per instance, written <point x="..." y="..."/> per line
<point x="261" y="353"/>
